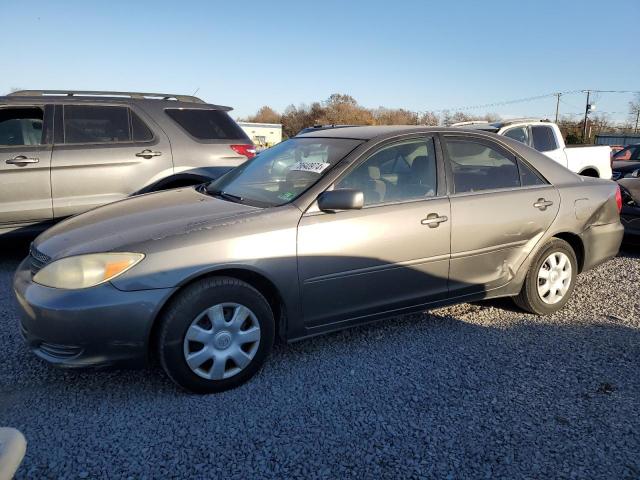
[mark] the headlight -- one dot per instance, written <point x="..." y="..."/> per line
<point x="84" y="271"/>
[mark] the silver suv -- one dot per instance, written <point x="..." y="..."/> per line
<point x="66" y="152"/>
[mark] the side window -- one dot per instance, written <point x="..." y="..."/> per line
<point x="519" y="133"/>
<point x="96" y="124"/>
<point x="139" y="130"/>
<point x="477" y="166"/>
<point x="543" y="138"/>
<point x="399" y="172"/>
<point x="21" y="126"/>
<point x="635" y="153"/>
<point x="528" y="177"/>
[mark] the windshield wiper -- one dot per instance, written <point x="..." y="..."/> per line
<point x="225" y="195"/>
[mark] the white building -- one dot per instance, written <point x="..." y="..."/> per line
<point x="263" y="135"/>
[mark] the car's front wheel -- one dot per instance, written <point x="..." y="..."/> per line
<point x="215" y="335"/>
<point x="551" y="279"/>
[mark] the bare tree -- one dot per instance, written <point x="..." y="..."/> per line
<point x="634" y="112"/>
<point x="265" y="114"/>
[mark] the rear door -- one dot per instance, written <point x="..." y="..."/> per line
<point x="500" y="208"/>
<point x="25" y="158"/>
<point x="104" y="153"/>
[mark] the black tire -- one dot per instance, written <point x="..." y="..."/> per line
<point x="186" y="306"/>
<point x="529" y="299"/>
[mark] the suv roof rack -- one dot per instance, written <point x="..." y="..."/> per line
<point x="90" y="93"/>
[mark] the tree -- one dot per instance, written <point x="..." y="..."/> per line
<point x="265" y="114"/>
<point x="430" y="119"/>
<point x="389" y="116"/>
<point x="634" y="113"/>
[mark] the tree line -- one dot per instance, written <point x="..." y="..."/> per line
<point x="342" y="109"/>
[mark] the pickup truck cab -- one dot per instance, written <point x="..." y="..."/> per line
<point x="545" y="136"/>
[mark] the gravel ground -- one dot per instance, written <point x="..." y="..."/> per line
<point x="471" y="391"/>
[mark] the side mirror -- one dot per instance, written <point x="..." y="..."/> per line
<point x="341" y="199"/>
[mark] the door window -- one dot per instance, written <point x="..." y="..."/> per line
<point x="520" y="134"/>
<point x="399" y="172"/>
<point x="21" y="126"/>
<point x="477" y="166"/>
<point x="96" y="124"/>
<point x="543" y="138"/>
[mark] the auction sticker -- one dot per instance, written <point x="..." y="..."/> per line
<point x="315" y="167"/>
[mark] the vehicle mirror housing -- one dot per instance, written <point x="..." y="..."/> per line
<point x="341" y="199"/>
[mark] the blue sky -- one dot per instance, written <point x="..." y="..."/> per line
<point x="418" y="55"/>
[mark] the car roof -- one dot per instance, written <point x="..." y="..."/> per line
<point x="78" y="96"/>
<point x="370" y="132"/>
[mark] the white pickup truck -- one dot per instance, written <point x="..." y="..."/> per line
<point x="544" y="136"/>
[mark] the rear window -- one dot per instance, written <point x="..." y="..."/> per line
<point x="207" y="124"/>
<point x="543" y="139"/>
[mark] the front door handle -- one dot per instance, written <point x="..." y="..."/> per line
<point x="433" y="220"/>
<point x="148" y="154"/>
<point x="542" y="204"/>
<point x="21" y="160"/>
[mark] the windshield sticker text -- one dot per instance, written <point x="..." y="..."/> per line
<point x="315" y="167"/>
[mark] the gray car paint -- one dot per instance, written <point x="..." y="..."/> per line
<point x="73" y="178"/>
<point x="330" y="270"/>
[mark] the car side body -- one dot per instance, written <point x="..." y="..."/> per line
<point x="320" y="271"/>
<point x="63" y="153"/>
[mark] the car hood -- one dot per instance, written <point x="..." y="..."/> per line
<point x="135" y="220"/>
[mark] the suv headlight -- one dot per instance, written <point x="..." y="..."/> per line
<point x="84" y="271"/>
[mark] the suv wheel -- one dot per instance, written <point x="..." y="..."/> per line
<point x="215" y="335"/>
<point x="550" y="280"/>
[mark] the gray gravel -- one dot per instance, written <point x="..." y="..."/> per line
<point x="472" y="391"/>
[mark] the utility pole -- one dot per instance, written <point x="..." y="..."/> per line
<point x="557" y="105"/>
<point x="586" y="115"/>
<point x="635" y="130"/>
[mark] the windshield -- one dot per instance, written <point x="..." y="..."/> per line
<point x="280" y="174"/>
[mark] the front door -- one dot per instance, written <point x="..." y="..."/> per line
<point x="25" y="158"/>
<point x="500" y="208"/>
<point x="394" y="253"/>
<point x="102" y="154"/>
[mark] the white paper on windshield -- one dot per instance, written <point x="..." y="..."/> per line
<point x="315" y="167"/>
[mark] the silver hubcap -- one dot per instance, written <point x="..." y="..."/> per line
<point x="554" y="278"/>
<point x="221" y="341"/>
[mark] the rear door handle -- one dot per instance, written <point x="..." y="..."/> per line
<point x="148" y="154"/>
<point x="542" y="204"/>
<point x="433" y="220"/>
<point x="21" y="160"/>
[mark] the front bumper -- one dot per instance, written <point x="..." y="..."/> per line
<point x="95" y="326"/>
<point x="601" y="243"/>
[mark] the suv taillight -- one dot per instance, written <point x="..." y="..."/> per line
<point x="618" y="198"/>
<point x="247" y="150"/>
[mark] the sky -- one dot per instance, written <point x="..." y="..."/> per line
<point x="417" y="55"/>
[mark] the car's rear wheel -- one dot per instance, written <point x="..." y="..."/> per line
<point x="550" y="280"/>
<point x="215" y="335"/>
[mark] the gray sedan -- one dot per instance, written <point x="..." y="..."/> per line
<point x="330" y="229"/>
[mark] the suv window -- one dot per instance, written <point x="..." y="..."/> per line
<point x="399" y="172"/>
<point x="96" y="124"/>
<point x="543" y="138"/>
<point x="139" y="130"/>
<point x="207" y="124"/>
<point x="478" y="166"/>
<point x="521" y="134"/>
<point x="21" y="126"/>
